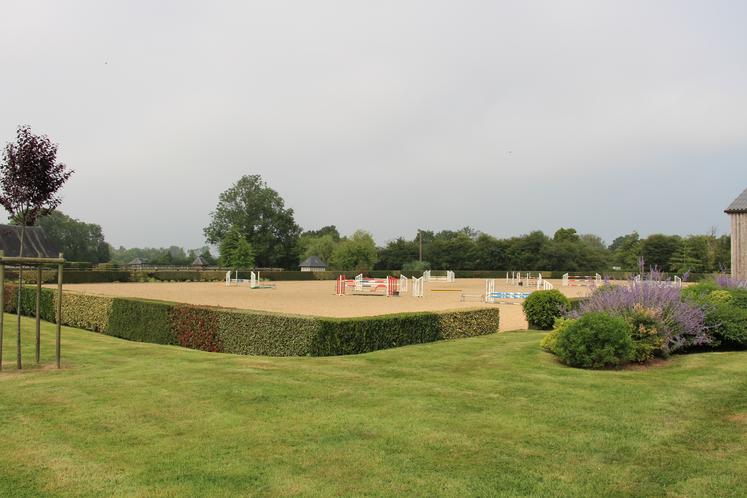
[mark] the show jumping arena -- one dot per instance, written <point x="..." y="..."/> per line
<point x="318" y="297"/>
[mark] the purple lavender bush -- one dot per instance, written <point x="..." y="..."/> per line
<point x="726" y="282"/>
<point x="681" y="323"/>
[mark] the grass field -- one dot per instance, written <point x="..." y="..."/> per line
<point x="487" y="416"/>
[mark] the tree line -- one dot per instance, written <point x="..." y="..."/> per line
<point x="252" y="227"/>
<point x="566" y="250"/>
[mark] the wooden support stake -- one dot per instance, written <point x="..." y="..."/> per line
<point x="19" y="301"/>
<point x="59" y="310"/>
<point x="38" y="312"/>
<point x="13" y="260"/>
<point x="2" y="305"/>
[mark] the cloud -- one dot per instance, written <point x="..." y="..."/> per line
<point x="506" y="116"/>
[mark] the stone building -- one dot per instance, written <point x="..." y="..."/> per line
<point x="737" y="212"/>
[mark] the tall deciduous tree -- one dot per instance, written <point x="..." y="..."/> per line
<point x="397" y="254"/>
<point x="235" y="250"/>
<point x="626" y="250"/>
<point x="330" y="230"/>
<point x="30" y="178"/>
<point x="243" y="256"/>
<point x="79" y="241"/>
<point x="322" y="246"/>
<point x="358" y="252"/>
<point x="262" y="218"/>
<point x="658" y="250"/>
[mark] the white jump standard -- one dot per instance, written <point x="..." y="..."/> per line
<point x="524" y="280"/>
<point x="254" y="281"/>
<point x="581" y="280"/>
<point x="675" y="282"/>
<point x="417" y="286"/>
<point x="403" y="280"/>
<point x="234" y="281"/>
<point x="543" y="284"/>
<point x="450" y="277"/>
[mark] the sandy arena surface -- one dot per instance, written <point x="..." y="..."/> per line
<point x="318" y="297"/>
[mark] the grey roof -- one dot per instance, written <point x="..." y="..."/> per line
<point x="199" y="261"/>
<point x="313" y="262"/>
<point x="36" y="244"/>
<point x="136" y="261"/>
<point x="739" y="205"/>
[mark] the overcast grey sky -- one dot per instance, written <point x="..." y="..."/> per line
<point x="387" y="115"/>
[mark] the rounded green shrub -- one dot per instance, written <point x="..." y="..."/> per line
<point x="543" y="307"/>
<point x="549" y="342"/>
<point x="596" y="340"/>
<point x="738" y="298"/>
<point x="648" y="333"/>
<point x="727" y="324"/>
<point x="720" y="296"/>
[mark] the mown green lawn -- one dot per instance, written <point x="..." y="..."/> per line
<point x="489" y="416"/>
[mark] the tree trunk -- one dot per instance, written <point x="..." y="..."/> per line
<point x="18" y="301"/>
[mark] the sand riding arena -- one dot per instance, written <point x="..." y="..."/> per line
<point x="318" y="298"/>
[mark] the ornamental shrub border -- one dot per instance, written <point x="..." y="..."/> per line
<point x="251" y="332"/>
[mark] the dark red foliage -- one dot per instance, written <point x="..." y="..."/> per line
<point x="196" y="328"/>
<point x="30" y="177"/>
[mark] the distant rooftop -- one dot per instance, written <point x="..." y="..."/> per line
<point x="739" y="205"/>
<point x="313" y="262"/>
<point x="35" y="242"/>
<point x="199" y="261"/>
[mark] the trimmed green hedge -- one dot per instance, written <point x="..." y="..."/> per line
<point x="28" y="301"/>
<point x="94" y="277"/>
<point x="140" y="320"/>
<point x="179" y="276"/>
<point x="251" y="332"/>
<point x="268" y="334"/>
<point x="467" y="323"/>
<point x="196" y="328"/>
<point x="341" y="336"/>
<point x="86" y="311"/>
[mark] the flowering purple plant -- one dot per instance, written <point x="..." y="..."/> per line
<point x="683" y="321"/>
<point x="655" y="276"/>
<point x="726" y="282"/>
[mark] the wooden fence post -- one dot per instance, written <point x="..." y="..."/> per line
<point x="2" y="305"/>
<point x="38" y="312"/>
<point x="59" y="310"/>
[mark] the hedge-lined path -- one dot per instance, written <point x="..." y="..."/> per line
<point x="486" y="416"/>
<point x="318" y="298"/>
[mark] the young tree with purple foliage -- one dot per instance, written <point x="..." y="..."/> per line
<point x="30" y="178"/>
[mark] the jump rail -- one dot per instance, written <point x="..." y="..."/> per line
<point x="427" y="277"/>
<point x="359" y="285"/>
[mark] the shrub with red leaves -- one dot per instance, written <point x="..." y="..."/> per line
<point x="196" y="328"/>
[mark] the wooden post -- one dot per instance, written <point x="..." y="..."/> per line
<point x="59" y="311"/>
<point x="38" y="311"/>
<point x="19" y="300"/>
<point x="2" y="305"/>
